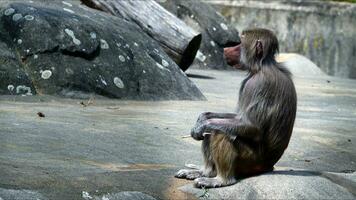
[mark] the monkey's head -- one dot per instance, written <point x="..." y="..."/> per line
<point x="258" y="48"/>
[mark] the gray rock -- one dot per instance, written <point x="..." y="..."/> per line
<point x="285" y="184"/>
<point x="217" y="33"/>
<point x="299" y="65"/>
<point x="73" y="51"/>
<point x="324" y="31"/>
<point x="127" y="195"/>
<point x="9" y="194"/>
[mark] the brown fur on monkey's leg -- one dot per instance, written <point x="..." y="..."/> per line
<point x="209" y="167"/>
<point x="223" y="155"/>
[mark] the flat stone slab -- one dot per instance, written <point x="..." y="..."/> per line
<point x="104" y="146"/>
<point x="285" y="183"/>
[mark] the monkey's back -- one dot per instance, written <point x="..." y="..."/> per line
<point x="269" y="101"/>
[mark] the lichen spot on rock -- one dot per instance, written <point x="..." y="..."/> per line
<point x="71" y="34"/>
<point x="16" y="17"/>
<point x="104" y="44"/>
<point x="69" y="71"/>
<point x="23" y="89"/>
<point x="93" y="35"/>
<point x="29" y="17"/>
<point x="68" y="10"/>
<point x="46" y="74"/>
<point x="9" y="11"/>
<point x="212" y="43"/>
<point x="165" y="63"/>
<point x="224" y="27"/>
<point x="11" y="88"/>
<point x="200" y="56"/>
<point x="122" y="58"/>
<point x="118" y="82"/>
<point x="19" y="41"/>
<point x="67" y="3"/>
<point x="159" y="66"/>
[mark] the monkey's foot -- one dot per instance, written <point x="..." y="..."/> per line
<point x="204" y="182"/>
<point x="189" y="174"/>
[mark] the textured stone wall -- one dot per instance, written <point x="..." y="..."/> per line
<point x="323" y="31"/>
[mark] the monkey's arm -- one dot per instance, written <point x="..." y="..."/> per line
<point x="210" y="115"/>
<point x="234" y="128"/>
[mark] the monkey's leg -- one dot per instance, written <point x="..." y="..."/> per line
<point x="223" y="154"/>
<point x="207" y="171"/>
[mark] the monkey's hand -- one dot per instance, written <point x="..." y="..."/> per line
<point x="197" y="132"/>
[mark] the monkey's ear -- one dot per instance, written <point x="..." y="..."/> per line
<point x="259" y="48"/>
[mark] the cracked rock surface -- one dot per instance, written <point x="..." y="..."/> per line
<point x="64" y="48"/>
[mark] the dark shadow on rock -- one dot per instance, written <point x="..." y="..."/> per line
<point x="199" y="76"/>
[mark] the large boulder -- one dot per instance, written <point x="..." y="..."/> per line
<point x="64" y="48"/>
<point x="217" y="33"/>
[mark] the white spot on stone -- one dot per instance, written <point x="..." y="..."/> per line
<point x="104" y="44"/>
<point x="68" y="10"/>
<point x="17" y="17"/>
<point x="165" y="63"/>
<point x="214" y="29"/>
<point x="224" y="27"/>
<point x="9" y="11"/>
<point x="69" y="71"/>
<point x="122" y="58"/>
<point x="27" y="51"/>
<point x="118" y="82"/>
<point x="10" y="87"/>
<point x="19" y="41"/>
<point x="46" y="74"/>
<point x="212" y="43"/>
<point x="159" y="66"/>
<point x="35" y="56"/>
<point x="144" y="71"/>
<point x="104" y="198"/>
<point x="135" y="44"/>
<point x="103" y="81"/>
<point x="23" y="88"/>
<point x="93" y="35"/>
<point x="200" y="56"/>
<point x="86" y="195"/>
<point x="67" y="4"/>
<point x="128" y="58"/>
<point x="29" y="17"/>
<point x="71" y="34"/>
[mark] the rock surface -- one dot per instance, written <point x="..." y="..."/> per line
<point x="217" y="33"/>
<point x="63" y="48"/>
<point x="284" y="184"/>
<point x="112" y="146"/>
<point x="299" y="65"/>
<point x="324" y="31"/>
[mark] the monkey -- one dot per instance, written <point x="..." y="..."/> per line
<point x="252" y="139"/>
